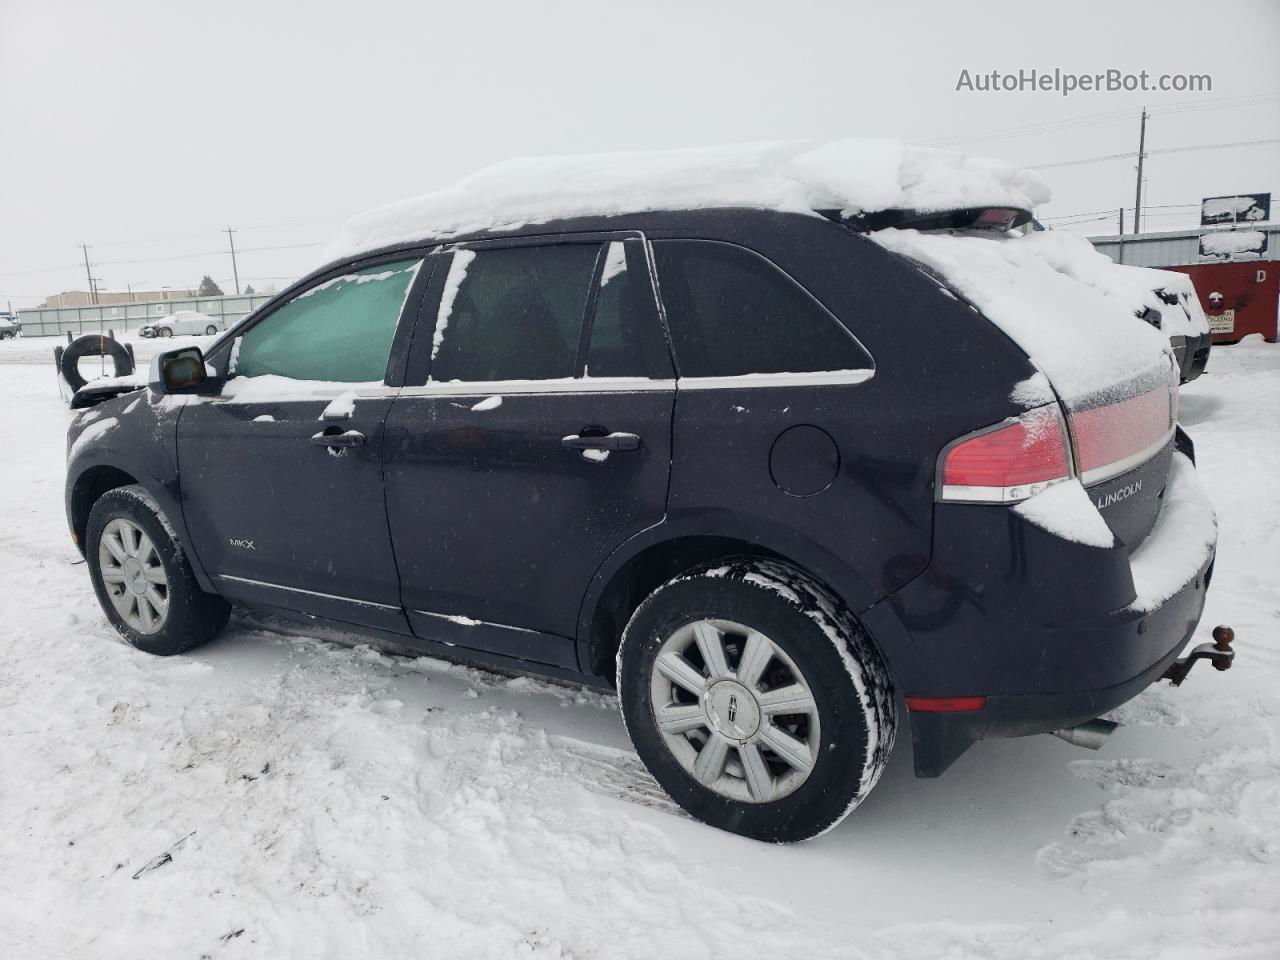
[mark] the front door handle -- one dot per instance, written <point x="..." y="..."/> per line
<point x="607" y="441"/>
<point x="340" y="439"/>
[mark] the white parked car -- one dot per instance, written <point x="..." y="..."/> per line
<point x="184" y="322"/>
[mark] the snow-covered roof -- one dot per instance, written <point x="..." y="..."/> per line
<point x="852" y="175"/>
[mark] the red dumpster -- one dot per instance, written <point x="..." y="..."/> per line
<point x="1238" y="298"/>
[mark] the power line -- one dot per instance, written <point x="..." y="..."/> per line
<point x="1149" y="153"/>
<point x="1088" y="120"/>
<point x="1072" y="163"/>
<point x="1216" y="146"/>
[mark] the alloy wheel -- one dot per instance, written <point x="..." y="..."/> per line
<point x="134" y="576"/>
<point x="735" y="711"/>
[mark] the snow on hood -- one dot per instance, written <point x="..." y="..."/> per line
<point x="1190" y="321"/>
<point x="1069" y="307"/>
<point x="853" y="175"/>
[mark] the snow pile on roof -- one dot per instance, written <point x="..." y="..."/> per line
<point x="1069" y="307"/>
<point x="852" y="175"/>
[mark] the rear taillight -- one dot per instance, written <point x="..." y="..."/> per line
<point x="1117" y="437"/>
<point x="1009" y="462"/>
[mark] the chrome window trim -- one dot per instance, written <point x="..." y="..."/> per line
<point x="817" y="378"/>
<point x="623" y="384"/>
<point x="469" y="388"/>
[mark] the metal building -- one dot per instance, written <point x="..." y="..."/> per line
<point x="1171" y="248"/>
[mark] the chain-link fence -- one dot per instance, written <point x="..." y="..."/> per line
<point x="122" y="317"/>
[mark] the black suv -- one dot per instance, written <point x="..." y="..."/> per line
<point x="722" y="459"/>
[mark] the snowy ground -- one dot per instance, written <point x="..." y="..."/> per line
<point x="270" y="796"/>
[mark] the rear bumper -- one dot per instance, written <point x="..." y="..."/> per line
<point x="1047" y="632"/>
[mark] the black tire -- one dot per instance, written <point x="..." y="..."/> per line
<point x="850" y="684"/>
<point x="193" y="616"/>
<point x="164" y="332"/>
<point x="210" y="330"/>
<point x="92" y="345"/>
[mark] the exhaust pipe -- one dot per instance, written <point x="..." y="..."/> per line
<point x="1091" y="734"/>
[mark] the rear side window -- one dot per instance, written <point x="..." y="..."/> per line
<point x="337" y="330"/>
<point x="731" y="312"/>
<point x="512" y="313"/>
<point x="626" y="340"/>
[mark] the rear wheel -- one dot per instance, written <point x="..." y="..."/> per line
<point x="142" y="577"/>
<point x="755" y="699"/>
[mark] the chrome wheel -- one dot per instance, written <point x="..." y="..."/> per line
<point x="133" y="575"/>
<point x="735" y="711"/>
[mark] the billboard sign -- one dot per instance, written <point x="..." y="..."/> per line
<point x="1241" y="208"/>
<point x="1233" y="245"/>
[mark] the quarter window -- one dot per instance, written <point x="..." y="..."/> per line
<point x="512" y="313"/>
<point x="731" y="312"/>
<point x="339" y="330"/>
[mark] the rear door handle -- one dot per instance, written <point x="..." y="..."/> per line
<point x="350" y="438"/>
<point x="608" y="441"/>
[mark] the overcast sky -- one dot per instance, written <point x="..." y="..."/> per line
<point x="144" y="128"/>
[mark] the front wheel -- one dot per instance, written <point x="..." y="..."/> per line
<point x="755" y="699"/>
<point x="210" y="330"/>
<point x="142" y="577"/>
<point x="164" y="332"/>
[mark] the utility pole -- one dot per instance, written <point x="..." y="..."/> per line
<point x="234" y="272"/>
<point x="1142" y="154"/>
<point x="1120" y="239"/>
<point x="93" y="294"/>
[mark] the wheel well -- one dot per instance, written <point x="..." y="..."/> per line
<point x="644" y="573"/>
<point x="89" y="486"/>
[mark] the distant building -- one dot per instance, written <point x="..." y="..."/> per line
<point x="83" y="298"/>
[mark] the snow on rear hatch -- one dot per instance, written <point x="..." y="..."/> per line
<point x="1073" y="312"/>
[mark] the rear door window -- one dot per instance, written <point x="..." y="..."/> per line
<point x="339" y="330"/>
<point x="731" y="313"/>
<point x="512" y="313"/>
<point x="626" y="338"/>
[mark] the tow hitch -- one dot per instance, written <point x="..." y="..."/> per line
<point x="1219" y="653"/>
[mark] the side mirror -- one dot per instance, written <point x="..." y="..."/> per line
<point x="178" y="371"/>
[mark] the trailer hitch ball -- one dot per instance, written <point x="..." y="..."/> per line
<point x="1219" y="653"/>
<point x="1223" y="637"/>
